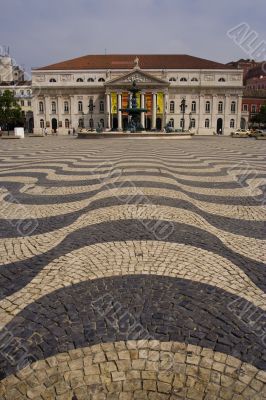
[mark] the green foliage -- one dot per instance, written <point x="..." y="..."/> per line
<point x="10" y="111"/>
<point x="260" y="118"/>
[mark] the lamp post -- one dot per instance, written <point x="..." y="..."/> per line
<point x="190" y="118"/>
<point x="183" y="107"/>
<point x="91" y="108"/>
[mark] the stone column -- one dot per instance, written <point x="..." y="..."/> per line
<point x="201" y="121"/>
<point x="60" y="113"/>
<point x="74" y="123"/>
<point x="239" y="112"/>
<point x="227" y="113"/>
<point x="154" y="110"/>
<point x="142" y="105"/>
<point x="119" y="113"/>
<point x="108" y="110"/>
<point x="166" y="102"/>
<point x="36" y="116"/>
<point x="214" y="112"/>
<point x="47" y="111"/>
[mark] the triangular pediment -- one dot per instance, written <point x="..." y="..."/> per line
<point x="137" y="75"/>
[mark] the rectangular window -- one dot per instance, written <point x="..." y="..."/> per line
<point x="172" y="107"/>
<point x="253" y="108"/>
<point x="220" y="107"/>
<point x="245" y="107"/>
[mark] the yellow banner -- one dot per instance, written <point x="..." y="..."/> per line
<point x="114" y="103"/>
<point x="160" y="103"/>
<point x="138" y="100"/>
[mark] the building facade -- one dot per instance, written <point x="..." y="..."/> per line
<point x="63" y="92"/>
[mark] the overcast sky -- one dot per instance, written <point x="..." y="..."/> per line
<point x="41" y="32"/>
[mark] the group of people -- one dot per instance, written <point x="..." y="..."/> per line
<point x="55" y="132"/>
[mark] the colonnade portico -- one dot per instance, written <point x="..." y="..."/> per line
<point x="152" y="115"/>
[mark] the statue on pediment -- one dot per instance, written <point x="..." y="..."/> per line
<point x="136" y="62"/>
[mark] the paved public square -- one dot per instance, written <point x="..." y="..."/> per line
<point x="132" y="269"/>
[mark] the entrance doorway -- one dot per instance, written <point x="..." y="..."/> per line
<point x="243" y="123"/>
<point x="148" y="124"/>
<point x="54" y="125"/>
<point x="31" y="125"/>
<point x="159" y="124"/>
<point x="219" y="125"/>
<point x="125" y="123"/>
<point x="115" y="123"/>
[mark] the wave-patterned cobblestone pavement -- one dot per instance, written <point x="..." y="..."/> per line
<point x="132" y="269"/>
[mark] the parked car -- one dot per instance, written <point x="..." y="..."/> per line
<point x="260" y="133"/>
<point x="241" y="133"/>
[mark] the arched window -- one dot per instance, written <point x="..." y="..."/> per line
<point x="101" y="80"/>
<point x="232" y="123"/>
<point x="221" y="80"/>
<point x="194" y="80"/>
<point x="90" y="80"/>
<point x="172" y="79"/>
<point x="101" y="106"/>
<point x="172" y="107"/>
<point x="233" y="107"/>
<point x="183" y="79"/>
<point x="67" y="123"/>
<point x="182" y="123"/>
<point x="102" y="122"/>
<point x="28" y="92"/>
<point x="172" y="122"/>
<point x="80" y="80"/>
<point x="91" y="123"/>
<point x="193" y="106"/>
<point x="193" y="123"/>
<point x="220" y="107"/>
<point x="42" y="123"/>
<point x="207" y="123"/>
<point x="208" y="107"/>
<point x="41" y="106"/>
<point x="22" y="103"/>
<point x="53" y="107"/>
<point x="52" y="80"/>
<point x="80" y="106"/>
<point x="81" y="123"/>
<point x="66" y="106"/>
<point x="22" y="92"/>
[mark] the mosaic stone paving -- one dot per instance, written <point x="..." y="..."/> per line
<point x="132" y="269"/>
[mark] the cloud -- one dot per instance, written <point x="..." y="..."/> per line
<point x="40" y="33"/>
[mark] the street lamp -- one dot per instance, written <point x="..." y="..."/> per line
<point x="183" y="107"/>
<point x="190" y="118"/>
<point x="91" y="107"/>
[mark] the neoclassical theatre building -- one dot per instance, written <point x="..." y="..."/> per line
<point x="62" y="93"/>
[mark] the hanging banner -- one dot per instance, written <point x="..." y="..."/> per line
<point x="138" y="100"/>
<point x="148" y="98"/>
<point x="125" y="101"/>
<point x="160" y="103"/>
<point x="114" y="103"/>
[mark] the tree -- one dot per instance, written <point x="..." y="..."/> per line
<point x="260" y="117"/>
<point x="10" y="111"/>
